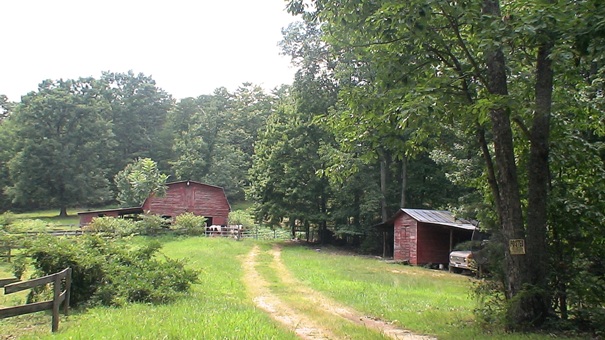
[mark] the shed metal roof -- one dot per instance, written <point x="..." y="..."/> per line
<point x="440" y="217"/>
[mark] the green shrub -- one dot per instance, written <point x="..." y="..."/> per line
<point x="112" y="225"/>
<point x="19" y="266"/>
<point x="371" y="244"/>
<point x="150" y="224"/>
<point x="14" y="235"/>
<point x="108" y="272"/>
<point x="241" y="217"/>
<point x="590" y="319"/>
<point x="6" y="218"/>
<point x="490" y="312"/>
<point x="27" y="226"/>
<point x="191" y="224"/>
<point x="52" y="254"/>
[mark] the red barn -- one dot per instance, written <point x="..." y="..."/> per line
<point x="181" y="197"/>
<point x="425" y="236"/>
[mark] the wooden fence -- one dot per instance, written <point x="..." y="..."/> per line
<point x="6" y="251"/>
<point x="59" y="296"/>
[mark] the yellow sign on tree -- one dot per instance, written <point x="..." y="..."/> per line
<point x="516" y="246"/>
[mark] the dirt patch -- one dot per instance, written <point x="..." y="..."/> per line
<point x="280" y="311"/>
<point x="258" y="288"/>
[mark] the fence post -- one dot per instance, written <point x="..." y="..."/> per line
<point x="59" y="296"/>
<point x="67" y="291"/>
<point x="56" y="303"/>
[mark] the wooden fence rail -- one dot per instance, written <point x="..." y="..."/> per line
<point x="59" y="296"/>
<point x="6" y="251"/>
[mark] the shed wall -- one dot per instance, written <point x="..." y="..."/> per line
<point x="433" y="244"/>
<point x="405" y="236"/>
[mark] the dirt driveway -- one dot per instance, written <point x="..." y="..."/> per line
<point x="310" y="314"/>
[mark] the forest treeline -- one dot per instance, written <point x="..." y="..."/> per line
<point x="493" y="110"/>
<point x="69" y="143"/>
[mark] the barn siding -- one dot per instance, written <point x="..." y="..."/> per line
<point x="181" y="197"/>
<point x="405" y="236"/>
<point x="86" y="218"/>
<point x="433" y="243"/>
<point x="196" y="198"/>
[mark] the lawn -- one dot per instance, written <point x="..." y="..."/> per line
<point x="52" y="219"/>
<point x="421" y="300"/>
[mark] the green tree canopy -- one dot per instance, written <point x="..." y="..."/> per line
<point x="59" y="158"/>
<point x="496" y="73"/>
<point x="138" y="180"/>
<point x="214" y="136"/>
<point x="138" y="112"/>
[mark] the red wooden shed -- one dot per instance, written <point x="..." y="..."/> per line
<point x="425" y="236"/>
<point x="87" y="216"/>
<point x="185" y="196"/>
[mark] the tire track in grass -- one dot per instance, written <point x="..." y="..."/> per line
<point x="302" y="324"/>
<point x="258" y="288"/>
<point x="329" y="305"/>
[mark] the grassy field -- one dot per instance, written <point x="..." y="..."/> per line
<point x="216" y="308"/>
<point x="421" y="300"/>
<point x="52" y="219"/>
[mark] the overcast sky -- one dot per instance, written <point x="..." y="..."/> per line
<point x="189" y="47"/>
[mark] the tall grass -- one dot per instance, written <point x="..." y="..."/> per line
<point x="424" y="301"/>
<point x="421" y="300"/>
<point x="217" y="308"/>
<point x="296" y="297"/>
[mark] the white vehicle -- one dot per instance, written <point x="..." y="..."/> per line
<point x="462" y="260"/>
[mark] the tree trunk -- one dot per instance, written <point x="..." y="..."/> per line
<point x="562" y="275"/>
<point x="323" y="209"/>
<point x="538" y="181"/>
<point x="384" y="168"/>
<point x="293" y="227"/>
<point x="404" y="180"/>
<point x="491" y="172"/>
<point x="357" y="206"/>
<point x="63" y="211"/>
<point x="307" y="231"/>
<point x="511" y="217"/>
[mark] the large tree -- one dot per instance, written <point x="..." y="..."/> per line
<point x="138" y="112"/>
<point x="5" y="107"/>
<point x="138" y="180"/>
<point x="480" y="67"/>
<point x="284" y="180"/>
<point x="60" y="155"/>
<point x="197" y="142"/>
<point x="214" y="136"/>
<point x="6" y="142"/>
